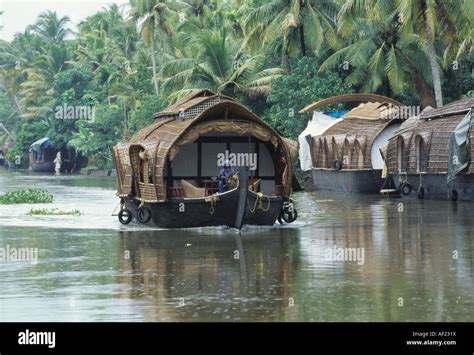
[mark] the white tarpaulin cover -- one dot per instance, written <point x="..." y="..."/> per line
<point x="316" y="126"/>
<point x="380" y="142"/>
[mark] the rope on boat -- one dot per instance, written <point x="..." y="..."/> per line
<point x="213" y="201"/>
<point x="259" y="201"/>
<point x="115" y="209"/>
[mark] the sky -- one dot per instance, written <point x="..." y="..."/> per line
<point x="18" y="14"/>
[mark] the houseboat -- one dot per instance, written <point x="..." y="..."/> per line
<point x="169" y="173"/>
<point x="343" y="153"/>
<point x="43" y="154"/>
<point x="429" y="156"/>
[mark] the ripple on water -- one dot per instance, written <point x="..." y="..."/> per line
<point x="91" y="268"/>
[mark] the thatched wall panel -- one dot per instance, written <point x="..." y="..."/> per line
<point x="435" y="133"/>
<point x="362" y="131"/>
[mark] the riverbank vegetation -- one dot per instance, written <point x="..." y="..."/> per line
<point x="127" y="62"/>
<point x="26" y="196"/>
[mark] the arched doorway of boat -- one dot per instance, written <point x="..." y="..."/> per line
<point x="142" y="158"/>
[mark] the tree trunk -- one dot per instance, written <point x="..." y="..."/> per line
<point x="435" y="74"/>
<point x="426" y="95"/>
<point x="420" y="84"/>
<point x="302" y="41"/>
<point x="286" y="61"/>
<point x="301" y="29"/>
<point x="432" y="57"/>
<point x="19" y="111"/>
<point x="153" y="61"/>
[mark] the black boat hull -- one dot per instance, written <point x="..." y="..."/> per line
<point x="48" y="167"/>
<point x="42" y="167"/>
<point x="263" y="212"/>
<point x="197" y="212"/>
<point x="435" y="187"/>
<point x="350" y="181"/>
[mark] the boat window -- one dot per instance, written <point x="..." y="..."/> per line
<point x="420" y="155"/>
<point x="401" y="154"/>
<point x="141" y="170"/>
<point x="150" y="173"/>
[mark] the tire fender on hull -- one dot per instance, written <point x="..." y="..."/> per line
<point x="406" y="188"/>
<point x="125" y="216"/>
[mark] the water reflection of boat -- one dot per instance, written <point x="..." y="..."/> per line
<point x="166" y="172"/>
<point x="430" y="155"/>
<point x="344" y="154"/>
<point x="210" y="275"/>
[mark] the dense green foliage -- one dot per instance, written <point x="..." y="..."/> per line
<point x="277" y="56"/>
<point x="290" y="93"/>
<point x="26" y="196"/>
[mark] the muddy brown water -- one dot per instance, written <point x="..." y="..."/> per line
<point x="346" y="258"/>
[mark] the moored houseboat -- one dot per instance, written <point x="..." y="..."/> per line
<point x="168" y="173"/>
<point x="429" y="156"/>
<point x="345" y="152"/>
<point x="43" y="155"/>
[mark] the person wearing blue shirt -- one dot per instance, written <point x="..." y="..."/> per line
<point x="224" y="175"/>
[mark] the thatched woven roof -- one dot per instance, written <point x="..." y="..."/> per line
<point x="453" y="108"/>
<point x="434" y="126"/>
<point x="178" y="121"/>
<point x="359" y="97"/>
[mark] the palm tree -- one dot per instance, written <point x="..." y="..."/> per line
<point x="432" y="20"/>
<point x="51" y="27"/>
<point x="152" y="14"/>
<point x="109" y="23"/>
<point x="465" y="29"/>
<point x="213" y="59"/>
<point x="303" y="23"/>
<point x="15" y="58"/>
<point x="377" y="49"/>
<point x="37" y="92"/>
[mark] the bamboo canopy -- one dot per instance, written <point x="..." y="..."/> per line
<point x="182" y="123"/>
<point x="433" y="128"/>
<point x="358" y="97"/>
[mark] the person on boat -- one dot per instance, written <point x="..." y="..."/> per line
<point x="57" y="163"/>
<point x="225" y="174"/>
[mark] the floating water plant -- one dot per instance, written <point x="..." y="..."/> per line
<point x="26" y="196"/>
<point x="52" y="212"/>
